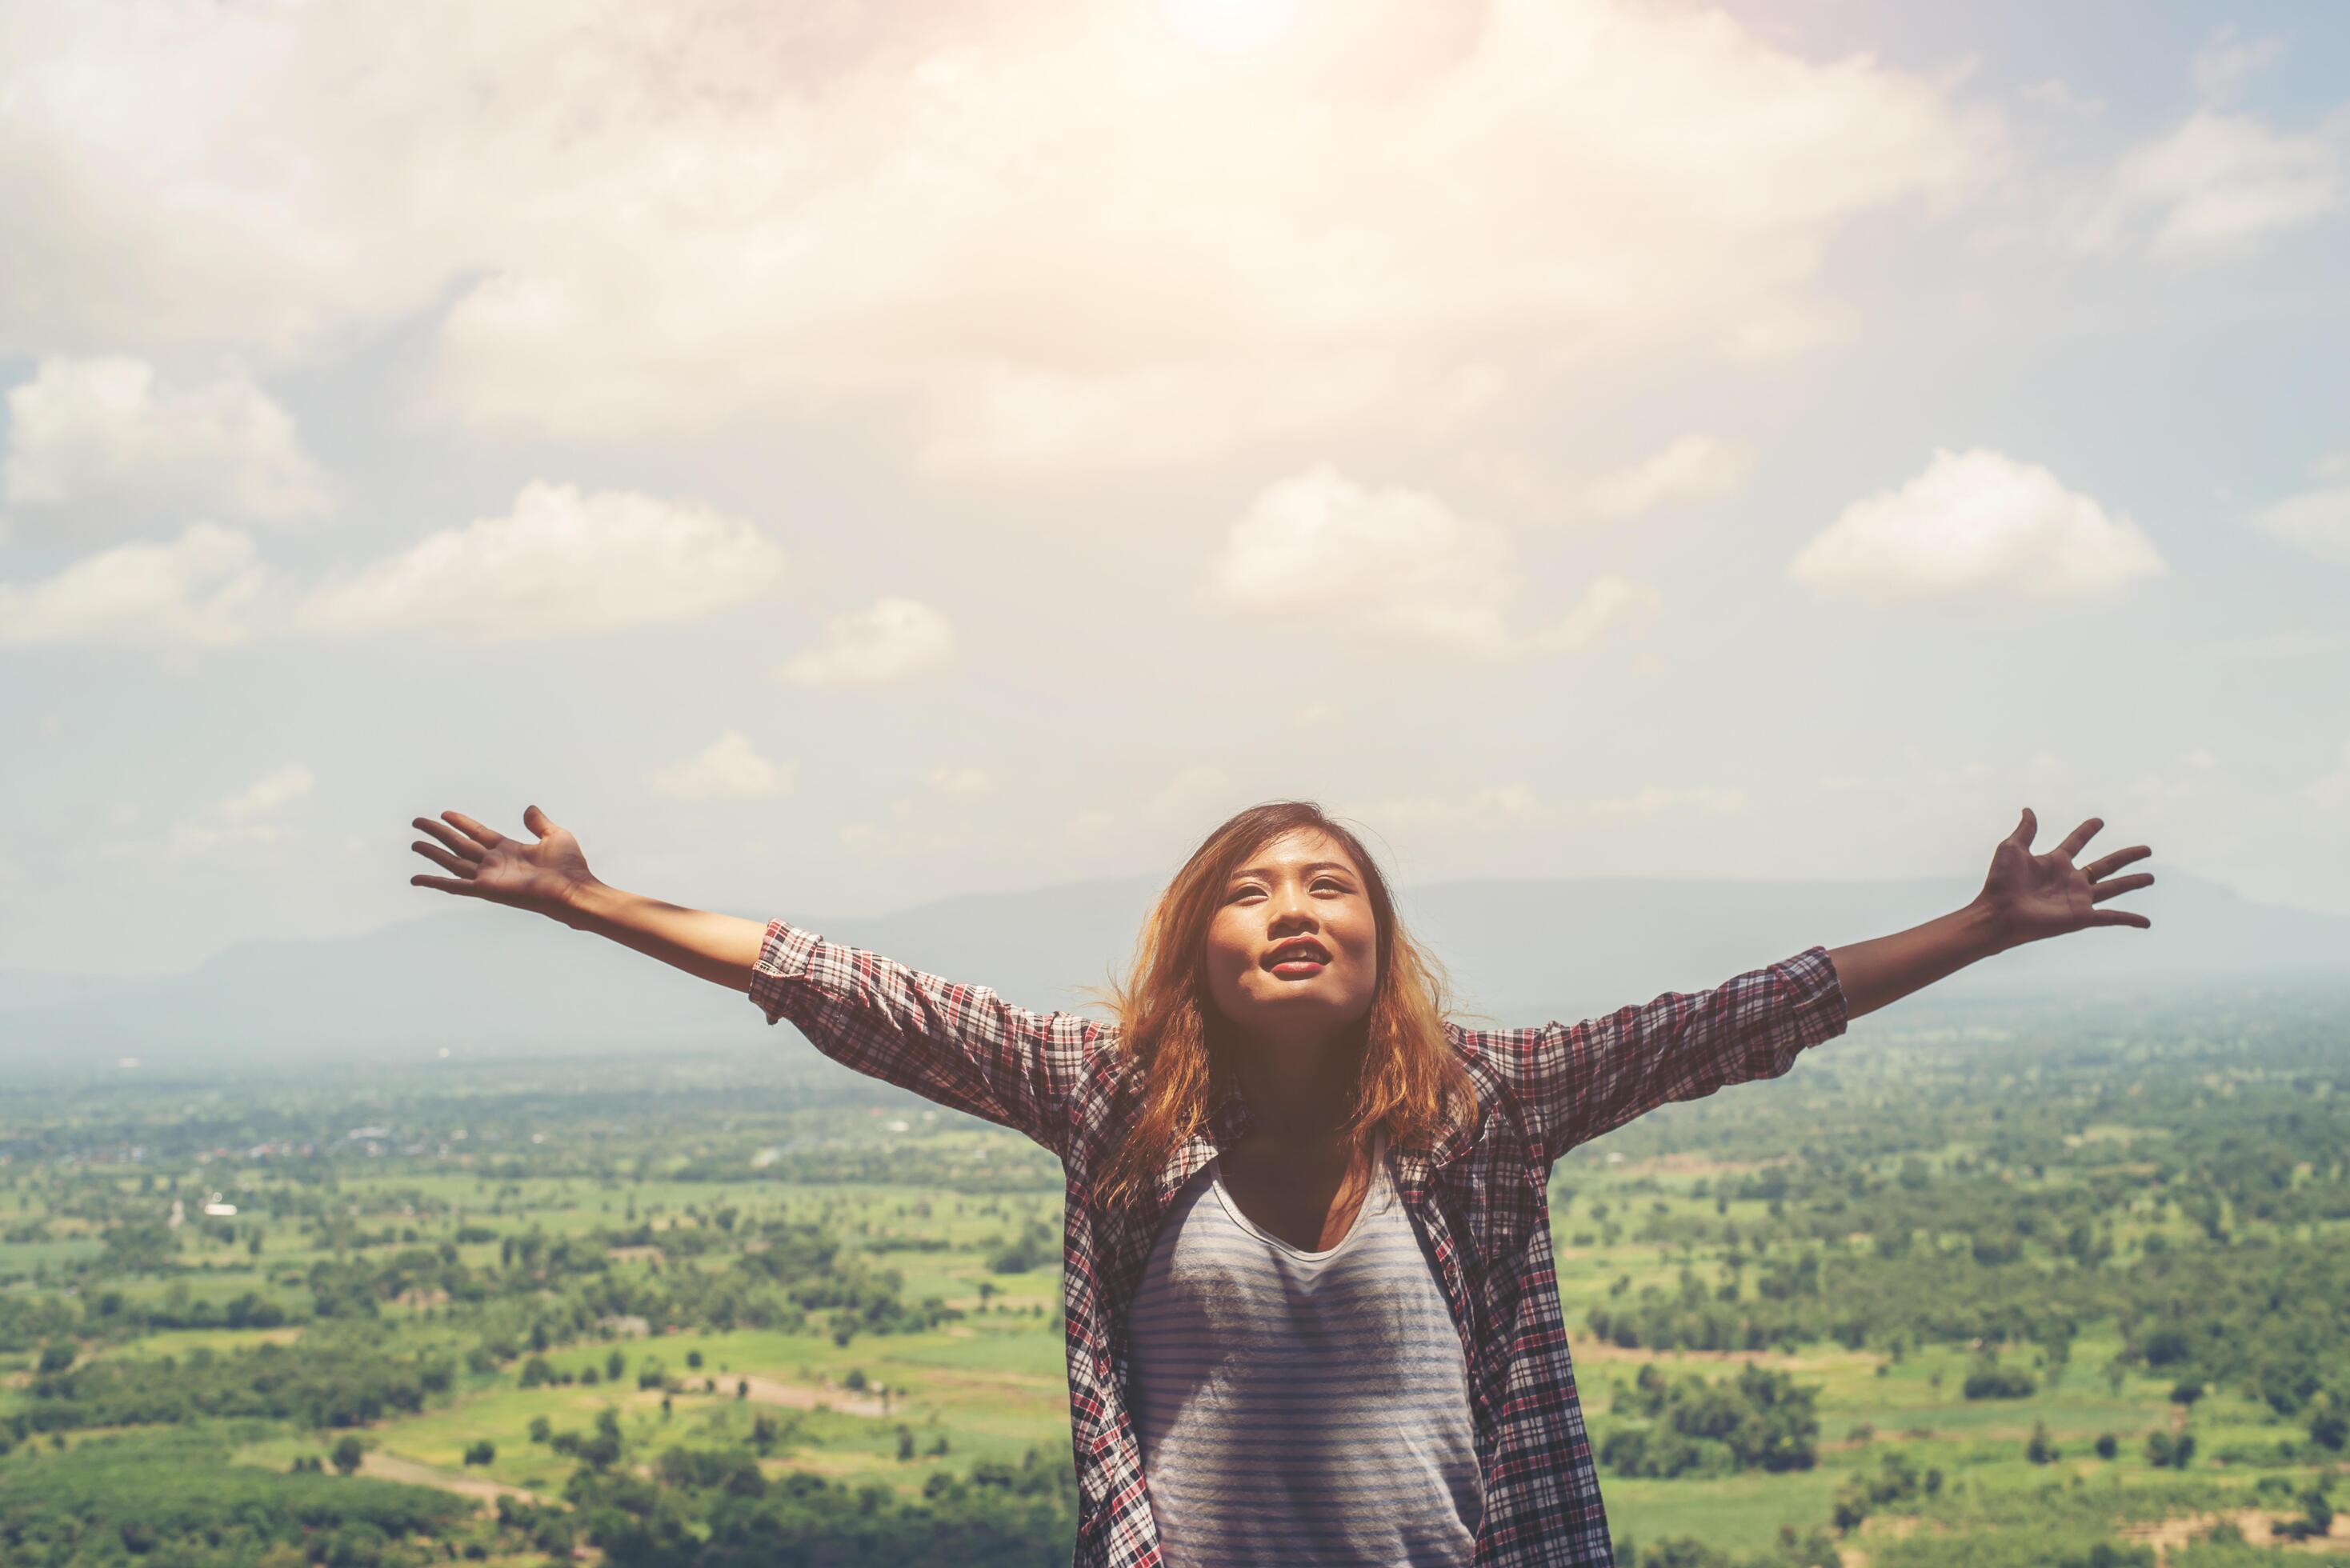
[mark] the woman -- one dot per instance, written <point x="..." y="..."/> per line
<point x="1312" y="1314"/>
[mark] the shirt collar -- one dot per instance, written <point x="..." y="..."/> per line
<point x="1229" y="1119"/>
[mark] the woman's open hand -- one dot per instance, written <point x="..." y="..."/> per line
<point x="543" y="877"/>
<point x="2030" y="897"/>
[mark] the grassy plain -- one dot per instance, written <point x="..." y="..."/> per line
<point x="1891" y="1220"/>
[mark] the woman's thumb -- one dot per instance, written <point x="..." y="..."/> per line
<point x="537" y="821"/>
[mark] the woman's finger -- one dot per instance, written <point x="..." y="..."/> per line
<point x="2099" y="890"/>
<point x="451" y="837"/>
<point x="2117" y="860"/>
<point x="2120" y="917"/>
<point x="2079" y="836"/>
<point x="488" y="839"/>
<point x="441" y="857"/>
<point x="446" y="885"/>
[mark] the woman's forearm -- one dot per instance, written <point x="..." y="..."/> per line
<point x="1886" y="969"/>
<point x="720" y="947"/>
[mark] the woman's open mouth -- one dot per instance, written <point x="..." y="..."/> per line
<point x="1297" y="958"/>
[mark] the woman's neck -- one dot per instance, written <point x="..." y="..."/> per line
<point x="1303" y="1094"/>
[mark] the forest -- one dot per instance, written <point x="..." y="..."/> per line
<point x="2054" y="1292"/>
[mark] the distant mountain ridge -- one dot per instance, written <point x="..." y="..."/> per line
<point x="478" y="978"/>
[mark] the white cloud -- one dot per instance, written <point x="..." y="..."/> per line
<point x="563" y="563"/>
<point x="103" y="437"/>
<point x="2330" y="791"/>
<point x="2223" y="65"/>
<point x="267" y="793"/>
<point x="207" y="588"/>
<point x="1657" y="801"/>
<point x="895" y="639"/>
<point x="1162" y="825"/>
<point x="2269" y="645"/>
<point x="1493" y="807"/>
<point x="727" y="769"/>
<point x="1394" y="567"/>
<point x="1694" y="468"/>
<point x="962" y="781"/>
<point x="2221" y="185"/>
<point x="1976" y="525"/>
<point x="1015" y="421"/>
<point x="247" y="816"/>
<point x="1483" y="810"/>
<point x="2056" y="95"/>
<point x="1054" y="233"/>
<point x="2222" y="181"/>
<point x="2317" y="520"/>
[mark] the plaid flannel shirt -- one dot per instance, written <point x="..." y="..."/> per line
<point x="1479" y="1202"/>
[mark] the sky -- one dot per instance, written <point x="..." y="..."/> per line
<point x="837" y="455"/>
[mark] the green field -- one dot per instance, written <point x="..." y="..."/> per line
<point x="861" y="1296"/>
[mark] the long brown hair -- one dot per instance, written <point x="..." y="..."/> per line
<point x="1411" y="1086"/>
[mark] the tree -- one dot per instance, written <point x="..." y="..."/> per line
<point x="347" y="1455"/>
<point x="2108" y="1444"/>
<point x="2040" y="1450"/>
<point x="2329" y="1427"/>
<point x="1989" y="1380"/>
<point x="2317" y="1520"/>
<point x="481" y="1453"/>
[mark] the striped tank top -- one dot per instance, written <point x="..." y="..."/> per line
<point x="1299" y="1408"/>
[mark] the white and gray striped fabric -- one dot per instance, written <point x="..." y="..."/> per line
<point x="1300" y="1408"/>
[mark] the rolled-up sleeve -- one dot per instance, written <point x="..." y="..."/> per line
<point x="960" y="1045"/>
<point x="1574" y="1081"/>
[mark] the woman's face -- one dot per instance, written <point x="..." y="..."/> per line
<point x="1303" y="885"/>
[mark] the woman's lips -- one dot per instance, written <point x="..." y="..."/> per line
<point x="1298" y="967"/>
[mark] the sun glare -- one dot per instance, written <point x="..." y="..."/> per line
<point x="1230" y="27"/>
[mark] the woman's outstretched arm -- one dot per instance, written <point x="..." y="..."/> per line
<point x="1575" y="1081"/>
<point x="960" y="1045"/>
<point x="551" y="877"/>
<point x="2027" y="898"/>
